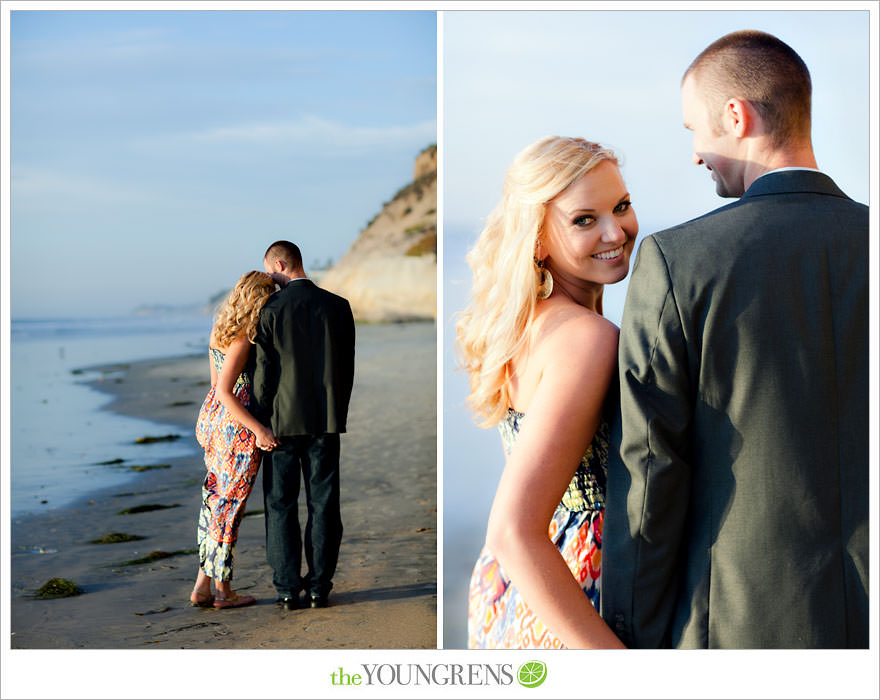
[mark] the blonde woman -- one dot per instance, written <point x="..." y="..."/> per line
<point x="231" y="437"/>
<point x="541" y="358"/>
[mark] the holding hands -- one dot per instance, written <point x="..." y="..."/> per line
<point x="266" y="439"/>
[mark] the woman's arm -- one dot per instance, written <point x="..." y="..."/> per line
<point x="213" y="368"/>
<point x="578" y="359"/>
<point x="236" y="359"/>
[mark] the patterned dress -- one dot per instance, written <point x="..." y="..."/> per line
<point x="232" y="460"/>
<point x="498" y="617"/>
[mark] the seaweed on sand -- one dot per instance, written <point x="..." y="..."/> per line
<point x="146" y="508"/>
<point x="114" y="537"/>
<point x="154" y="556"/>
<point x="58" y="588"/>
<point x="148" y="439"/>
<point x="143" y="467"/>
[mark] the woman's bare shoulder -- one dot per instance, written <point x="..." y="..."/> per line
<point x="567" y="343"/>
<point x="568" y="326"/>
<point x="239" y="341"/>
<point x="572" y="360"/>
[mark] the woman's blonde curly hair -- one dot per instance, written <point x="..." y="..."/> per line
<point x="506" y="279"/>
<point x="240" y="311"/>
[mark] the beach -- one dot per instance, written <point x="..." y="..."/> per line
<point x="385" y="590"/>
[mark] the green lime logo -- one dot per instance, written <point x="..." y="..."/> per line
<point x="531" y="674"/>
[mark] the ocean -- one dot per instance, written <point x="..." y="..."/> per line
<point x="59" y="430"/>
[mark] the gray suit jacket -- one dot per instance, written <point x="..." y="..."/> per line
<point x="304" y="361"/>
<point x="737" y="505"/>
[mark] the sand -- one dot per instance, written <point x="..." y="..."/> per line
<point x="384" y="595"/>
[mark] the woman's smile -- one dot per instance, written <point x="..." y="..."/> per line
<point x="609" y="254"/>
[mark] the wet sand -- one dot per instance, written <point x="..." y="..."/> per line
<point x="385" y="592"/>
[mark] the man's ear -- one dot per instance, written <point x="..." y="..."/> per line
<point x="739" y="117"/>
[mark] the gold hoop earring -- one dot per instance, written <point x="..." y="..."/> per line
<point x="545" y="286"/>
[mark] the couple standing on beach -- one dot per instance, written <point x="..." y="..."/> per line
<point x="727" y="415"/>
<point x="283" y="404"/>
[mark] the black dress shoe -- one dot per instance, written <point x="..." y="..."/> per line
<point x="318" y="601"/>
<point x="288" y="603"/>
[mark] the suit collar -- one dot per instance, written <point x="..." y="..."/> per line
<point x="299" y="281"/>
<point x="793" y="181"/>
<point x="294" y="285"/>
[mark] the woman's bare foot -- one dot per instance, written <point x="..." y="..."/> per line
<point x="235" y="601"/>
<point x="227" y="598"/>
<point x="201" y="600"/>
<point x="201" y="593"/>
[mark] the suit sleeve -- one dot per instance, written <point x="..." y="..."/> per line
<point x="649" y="476"/>
<point x="265" y="368"/>
<point x="348" y="352"/>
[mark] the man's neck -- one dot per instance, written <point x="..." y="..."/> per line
<point x="296" y="276"/>
<point x="774" y="160"/>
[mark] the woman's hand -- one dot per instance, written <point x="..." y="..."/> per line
<point x="237" y="353"/>
<point x="266" y="439"/>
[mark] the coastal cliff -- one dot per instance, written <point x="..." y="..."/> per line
<point x="390" y="271"/>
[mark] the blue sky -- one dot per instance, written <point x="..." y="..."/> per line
<point x="155" y="155"/>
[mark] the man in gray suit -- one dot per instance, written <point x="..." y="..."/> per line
<point x="737" y="506"/>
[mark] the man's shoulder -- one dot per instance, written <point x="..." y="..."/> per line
<point x="699" y="224"/>
<point x="332" y="296"/>
<point x="305" y="293"/>
<point x="696" y="237"/>
<point x="272" y="304"/>
<point x="777" y="199"/>
<point x="330" y="299"/>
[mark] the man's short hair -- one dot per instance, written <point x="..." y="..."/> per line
<point x="762" y="70"/>
<point x="286" y="251"/>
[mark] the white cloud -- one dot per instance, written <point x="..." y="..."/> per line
<point x="312" y="129"/>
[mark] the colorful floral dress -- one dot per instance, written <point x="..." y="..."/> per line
<point x="232" y="460"/>
<point x="498" y="617"/>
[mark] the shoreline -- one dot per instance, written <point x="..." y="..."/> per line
<point x="385" y="589"/>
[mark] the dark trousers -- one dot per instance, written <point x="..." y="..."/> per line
<point x="316" y="458"/>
